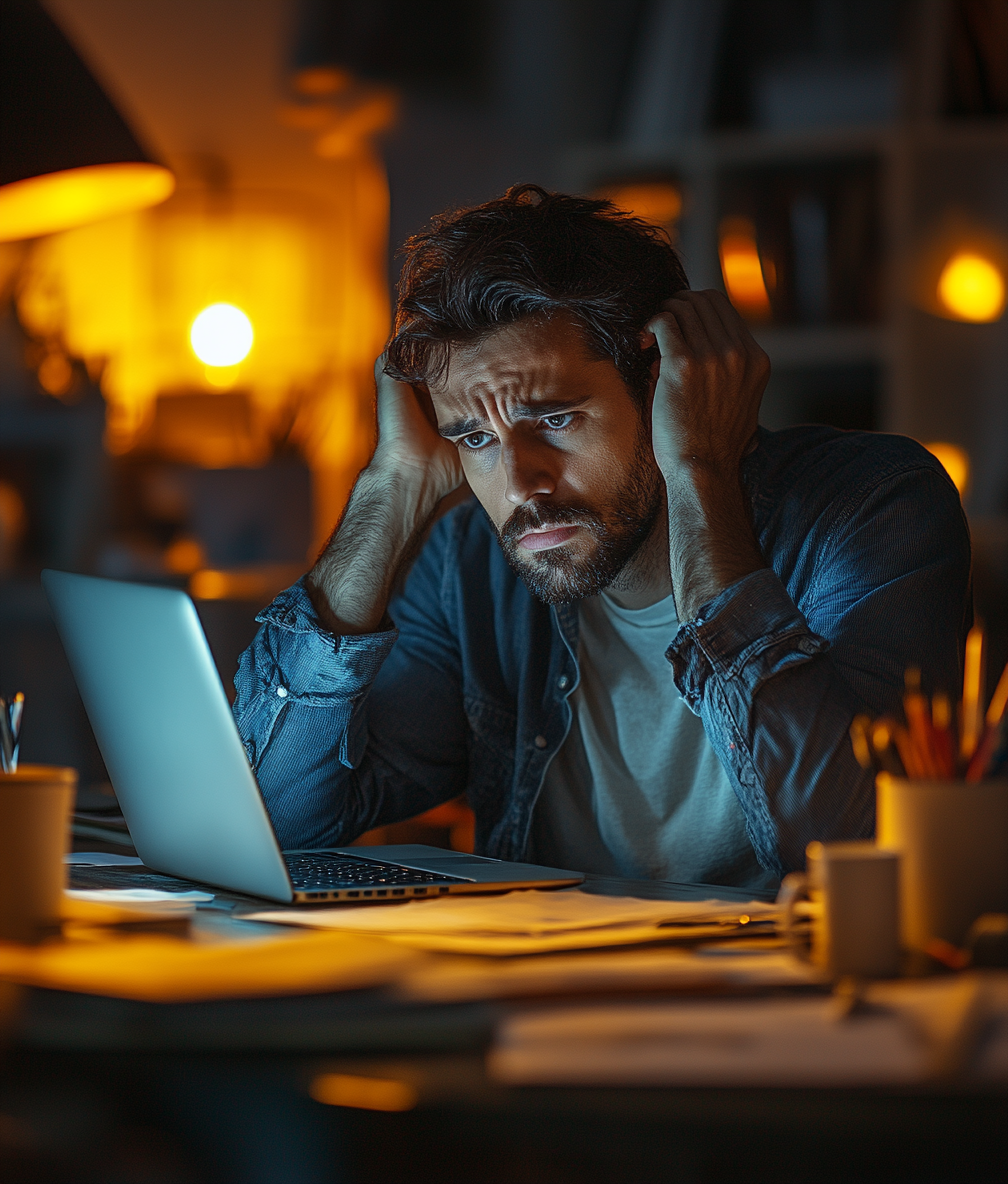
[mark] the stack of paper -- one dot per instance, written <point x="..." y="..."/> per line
<point x="533" y="921"/>
<point x="618" y="971"/>
<point x="905" y="1032"/>
<point x="166" y="969"/>
<point x="131" y="902"/>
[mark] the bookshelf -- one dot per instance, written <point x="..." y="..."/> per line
<point x="934" y="378"/>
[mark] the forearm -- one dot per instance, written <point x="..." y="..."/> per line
<point x="777" y="710"/>
<point x="300" y="713"/>
<point x="711" y="541"/>
<point x="348" y="732"/>
<point x="381" y="527"/>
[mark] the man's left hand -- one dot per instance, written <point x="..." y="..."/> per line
<point x="710" y="380"/>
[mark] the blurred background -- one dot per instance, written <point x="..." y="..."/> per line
<point x="185" y="368"/>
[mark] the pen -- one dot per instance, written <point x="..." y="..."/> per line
<point x="10" y="728"/>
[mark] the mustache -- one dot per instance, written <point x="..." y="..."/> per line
<point x="529" y="517"/>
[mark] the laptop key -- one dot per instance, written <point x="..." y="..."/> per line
<point x="323" y="871"/>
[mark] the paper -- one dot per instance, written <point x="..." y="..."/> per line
<point x="150" y="900"/>
<point x="622" y="971"/>
<point x="530" y="921"/>
<point x="102" y="859"/>
<point x="164" y="969"/>
<point x="788" y="1042"/>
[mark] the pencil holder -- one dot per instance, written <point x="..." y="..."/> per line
<point x="36" y="802"/>
<point x="952" y="838"/>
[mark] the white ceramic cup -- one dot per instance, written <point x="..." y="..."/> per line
<point x="35" y="805"/>
<point x="853" y="904"/>
<point x="952" y="837"/>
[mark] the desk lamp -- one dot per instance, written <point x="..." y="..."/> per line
<point x="66" y="154"/>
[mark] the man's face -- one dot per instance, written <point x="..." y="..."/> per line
<point x="557" y="451"/>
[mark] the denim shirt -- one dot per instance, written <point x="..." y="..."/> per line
<point x="868" y="572"/>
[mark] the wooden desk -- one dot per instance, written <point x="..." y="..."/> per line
<point x="97" y="1088"/>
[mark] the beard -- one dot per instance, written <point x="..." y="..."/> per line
<point x="618" y="529"/>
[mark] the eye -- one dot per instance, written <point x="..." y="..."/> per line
<point x="558" y="422"/>
<point x="476" y="441"/>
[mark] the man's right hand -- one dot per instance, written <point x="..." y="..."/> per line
<point x="408" y="438"/>
<point x="394" y="499"/>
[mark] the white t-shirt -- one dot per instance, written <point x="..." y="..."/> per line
<point x="636" y="789"/>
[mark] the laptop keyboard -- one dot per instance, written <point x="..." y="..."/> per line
<point x="340" y="877"/>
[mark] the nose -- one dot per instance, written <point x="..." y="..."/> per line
<point x="529" y="471"/>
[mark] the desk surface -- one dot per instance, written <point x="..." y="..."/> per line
<point x="249" y="1065"/>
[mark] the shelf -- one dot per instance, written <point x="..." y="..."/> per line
<point x="719" y="150"/>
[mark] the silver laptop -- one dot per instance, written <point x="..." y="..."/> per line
<point x="179" y="770"/>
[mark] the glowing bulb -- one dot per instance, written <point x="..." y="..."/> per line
<point x="742" y="270"/>
<point x="954" y="461"/>
<point x="971" y="288"/>
<point x="221" y="335"/>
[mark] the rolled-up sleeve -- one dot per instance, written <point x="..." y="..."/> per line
<point x="777" y="677"/>
<point x="348" y="733"/>
<point x="300" y="692"/>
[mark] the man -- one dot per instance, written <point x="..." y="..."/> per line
<point x="638" y="651"/>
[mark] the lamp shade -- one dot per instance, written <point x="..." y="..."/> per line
<point x="67" y="156"/>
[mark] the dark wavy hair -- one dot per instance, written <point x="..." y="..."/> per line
<point x="536" y="254"/>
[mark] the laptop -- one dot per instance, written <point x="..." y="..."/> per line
<point x="179" y="770"/>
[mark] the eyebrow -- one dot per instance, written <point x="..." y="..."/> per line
<point x="465" y="427"/>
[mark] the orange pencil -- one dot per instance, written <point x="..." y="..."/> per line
<point x="906" y="749"/>
<point x="944" y="738"/>
<point x="992" y="732"/>
<point x="999" y="700"/>
<point x="919" y="724"/>
<point x="972" y="703"/>
<point x="859" y="741"/>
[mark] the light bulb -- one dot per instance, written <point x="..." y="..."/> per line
<point x="221" y="335"/>
<point x="972" y="288"/>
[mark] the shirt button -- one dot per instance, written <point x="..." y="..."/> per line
<point x="540" y="741"/>
<point x="282" y="692"/>
<point x="562" y="682"/>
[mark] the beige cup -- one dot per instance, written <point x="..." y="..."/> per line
<point x="853" y="904"/>
<point x="952" y="837"/>
<point x="35" y="805"/>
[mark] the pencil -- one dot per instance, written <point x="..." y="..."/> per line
<point x="918" y="719"/>
<point x="999" y="700"/>
<point x="944" y="737"/>
<point x="991" y="739"/>
<point x="887" y="751"/>
<point x="859" y="741"/>
<point x="972" y="705"/>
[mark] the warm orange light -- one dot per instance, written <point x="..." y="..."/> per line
<point x="351" y="129"/>
<point x="121" y="296"/>
<point x="955" y="461"/>
<point x="742" y="270"/>
<point x="221" y="336"/>
<point x="362" y="1093"/>
<point x="55" y="374"/>
<point x="184" y="556"/>
<point x="322" y="80"/>
<point x="972" y="288"/>
<point x="59" y="201"/>
<point x="658" y="202"/>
